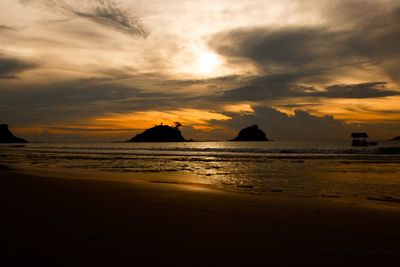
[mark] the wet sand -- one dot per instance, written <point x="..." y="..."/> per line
<point x="59" y="221"/>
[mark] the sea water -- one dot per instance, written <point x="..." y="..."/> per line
<point x="332" y="169"/>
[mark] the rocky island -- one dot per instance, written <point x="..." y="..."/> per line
<point x="6" y="136"/>
<point x="160" y="133"/>
<point x="251" y="133"/>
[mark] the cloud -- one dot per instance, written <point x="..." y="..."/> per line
<point x="348" y="43"/>
<point x="289" y="85"/>
<point x="316" y="48"/>
<point x="283" y="47"/>
<point x="69" y="100"/>
<point x="362" y="90"/>
<point x="293" y="60"/>
<point x="280" y="126"/>
<point x="10" y="67"/>
<point x="103" y="12"/>
<point x="264" y="87"/>
<point x="301" y="126"/>
<point x="76" y="103"/>
<point x="374" y="37"/>
<point x="353" y="53"/>
<point x="6" y="28"/>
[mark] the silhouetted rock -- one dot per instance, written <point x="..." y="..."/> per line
<point x="7" y="137"/>
<point x="251" y="133"/>
<point x="396" y="138"/>
<point x="160" y="133"/>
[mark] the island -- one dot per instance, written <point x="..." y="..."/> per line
<point x="251" y="133"/>
<point x="6" y="136"/>
<point x="160" y="133"/>
<point x="396" y="138"/>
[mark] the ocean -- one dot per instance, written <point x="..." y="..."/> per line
<point x="332" y="169"/>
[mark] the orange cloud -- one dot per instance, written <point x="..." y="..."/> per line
<point x="380" y="110"/>
<point x="239" y="108"/>
<point x="119" y="125"/>
<point x="146" y="119"/>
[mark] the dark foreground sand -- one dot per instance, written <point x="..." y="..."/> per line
<point x="72" y="222"/>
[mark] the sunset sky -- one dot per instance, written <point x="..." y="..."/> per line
<point x="106" y="69"/>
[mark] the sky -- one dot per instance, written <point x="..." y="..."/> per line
<point x="101" y="70"/>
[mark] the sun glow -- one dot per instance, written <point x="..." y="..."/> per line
<point x="207" y="63"/>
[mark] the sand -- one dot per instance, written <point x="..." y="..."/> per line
<point x="82" y="220"/>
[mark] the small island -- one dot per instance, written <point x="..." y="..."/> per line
<point x="251" y="133"/>
<point x="160" y="133"/>
<point x="396" y="138"/>
<point x="6" y="136"/>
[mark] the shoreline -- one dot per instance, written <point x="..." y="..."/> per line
<point x="180" y="178"/>
<point x="319" y="173"/>
<point x="129" y="221"/>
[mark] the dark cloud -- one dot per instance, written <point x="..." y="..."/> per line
<point x="280" y="126"/>
<point x="375" y="38"/>
<point x="10" y="67"/>
<point x="362" y="90"/>
<point x="103" y="12"/>
<point x="285" y="47"/>
<point x="222" y="79"/>
<point x="64" y="102"/>
<point x="199" y="87"/>
<point x="6" y="28"/>
<point x="85" y="98"/>
<point x="288" y="85"/>
<point x="264" y="87"/>
<point x="294" y="57"/>
<point x="298" y="106"/>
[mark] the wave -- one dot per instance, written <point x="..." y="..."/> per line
<point x="211" y="150"/>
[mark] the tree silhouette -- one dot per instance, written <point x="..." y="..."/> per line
<point x="177" y="125"/>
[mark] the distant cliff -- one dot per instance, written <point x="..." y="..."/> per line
<point x="7" y="137"/>
<point x="251" y="133"/>
<point x="160" y="133"/>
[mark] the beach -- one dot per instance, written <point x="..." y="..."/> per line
<point x="85" y="219"/>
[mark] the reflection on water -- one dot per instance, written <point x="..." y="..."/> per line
<point x="332" y="169"/>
